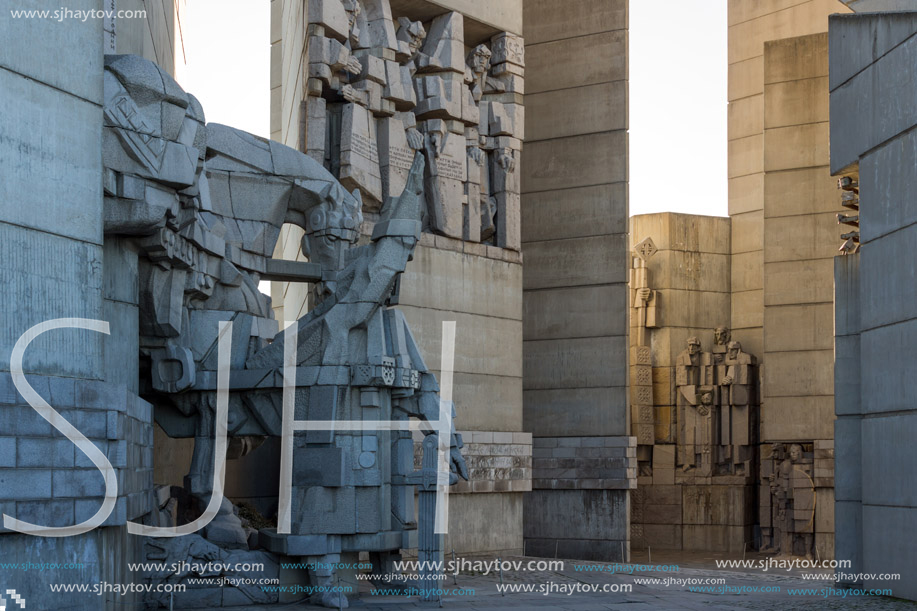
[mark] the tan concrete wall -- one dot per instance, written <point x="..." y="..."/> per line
<point x="690" y="274"/>
<point x="800" y="242"/>
<point x="751" y="24"/>
<point x="288" y="70"/>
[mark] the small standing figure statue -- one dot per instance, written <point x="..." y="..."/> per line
<point x="793" y="502"/>
<point x="737" y="422"/>
<point x="696" y="409"/>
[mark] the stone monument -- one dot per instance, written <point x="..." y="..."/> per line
<point x="378" y="93"/>
<point x="717" y="404"/>
<point x="200" y="207"/>
<point x="788" y="527"/>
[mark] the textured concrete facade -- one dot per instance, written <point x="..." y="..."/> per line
<point x="55" y="265"/>
<point x="689" y="274"/>
<point x="574" y="234"/>
<point x="158" y="36"/>
<point x="873" y="115"/>
<point x="800" y="241"/>
<point x="751" y="25"/>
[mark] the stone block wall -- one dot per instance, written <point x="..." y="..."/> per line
<point x="574" y="240"/>
<point x="56" y="265"/>
<point x="873" y="140"/>
<point x="46" y="479"/>
<point x="801" y="202"/>
<point x="751" y="25"/>
<point x="497" y="462"/>
<point x="583" y="463"/>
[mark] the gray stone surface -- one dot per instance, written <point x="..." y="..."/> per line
<point x="588" y="212"/>
<point x="593" y="538"/>
<point x="74" y="291"/>
<point x="886" y="174"/>
<point x="888" y="544"/>
<point x="575" y="61"/>
<point x="574" y="208"/>
<point x="874" y="106"/>
<point x="79" y="78"/>
<point x="572" y="363"/>
<point x="587" y="411"/>
<point x="576" y="262"/>
<point x="585" y="312"/>
<point x="578" y="161"/>
<point x="860" y="40"/>
<point x="52" y="196"/>
<point x="871" y="115"/>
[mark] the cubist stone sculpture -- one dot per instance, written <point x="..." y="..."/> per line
<point x="200" y="207"/>
<point x="717" y="408"/>
<point x="380" y="91"/>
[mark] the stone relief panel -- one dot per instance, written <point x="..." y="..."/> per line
<point x="381" y="89"/>
<point x="717" y="403"/>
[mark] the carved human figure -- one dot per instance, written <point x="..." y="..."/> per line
<point x="353" y="330"/>
<point x="479" y="207"/>
<point x="793" y="502"/>
<point x="201" y="245"/>
<point x="696" y="408"/>
<point x="721" y="338"/>
<point x="738" y="413"/>
<point x="479" y="62"/>
<point x="771" y="522"/>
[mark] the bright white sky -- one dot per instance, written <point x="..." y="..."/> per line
<point x="678" y="72"/>
<point x="228" y="50"/>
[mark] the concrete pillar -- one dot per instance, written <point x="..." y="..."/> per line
<point x="873" y="115"/>
<point x="574" y="234"/>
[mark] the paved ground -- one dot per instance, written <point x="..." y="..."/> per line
<point x="486" y="596"/>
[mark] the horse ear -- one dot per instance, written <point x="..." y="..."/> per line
<point x="326" y="190"/>
<point x="358" y="196"/>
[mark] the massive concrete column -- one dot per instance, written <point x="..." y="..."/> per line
<point x="751" y="24"/>
<point x="574" y="233"/>
<point x="873" y="115"/>
<point x="801" y="202"/>
<point x="55" y="265"/>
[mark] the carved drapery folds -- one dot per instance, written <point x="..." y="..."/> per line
<point x="717" y="407"/>
<point x="381" y="89"/>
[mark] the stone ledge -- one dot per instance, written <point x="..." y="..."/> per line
<point x="584" y="463"/>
